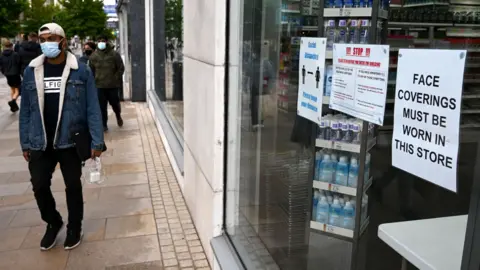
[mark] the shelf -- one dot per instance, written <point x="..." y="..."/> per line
<point x="331" y="229"/>
<point x="352" y="12"/>
<point x="290" y="11"/>
<point x="342" y="146"/>
<point x="418" y="24"/>
<point x="309" y="28"/>
<point x="351" y="191"/>
<point x="426" y="4"/>
<point x="465" y="2"/>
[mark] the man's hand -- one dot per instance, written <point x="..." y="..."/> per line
<point x="96" y="153"/>
<point x="26" y="156"/>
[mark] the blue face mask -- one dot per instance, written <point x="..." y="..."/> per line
<point x="102" y="45"/>
<point x="50" y="49"/>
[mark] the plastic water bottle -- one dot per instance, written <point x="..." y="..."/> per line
<point x="334" y="160"/>
<point x="348" y="216"/>
<point x="330" y="31"/>
<point x="318" y="161"/>
<point x="96" y="174"/>
<point x="321" y="129"/>
<point x="354" y="32"/>
<point x="330" y="3"/>
<point x="315" y="203"/>
<point x="348" y="3"/>
<point x="336" y="214"/>
<point x="341" y="175"/>
<point x="329" y="198"/>
<point x="345" y="128"/>
<point x="328" y="80"/>
<point x="326" y="171"/>
<point x="353" y="173"/>
<point x="342" y="31"/>
<point x="338" y="3"/>
<point x="364" y="31"/>
<point x="356" y="129"/>
<point x="323" y="209"/>
<point x="336" y="134"/>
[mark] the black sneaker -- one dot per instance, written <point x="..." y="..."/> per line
<point x="73" y="240"/>
<point x="119" y="121"/>
<point x="50" y="238"/>
<point x="15" y="107"/>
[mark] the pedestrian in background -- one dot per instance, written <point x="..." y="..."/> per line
<point x="10" y="67"/>
<point x="29" y="50"/>
<point x="59" y="103"/>
<point x="107" y="65"/>
<point x="88" y="50"/>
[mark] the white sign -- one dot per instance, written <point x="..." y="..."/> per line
<point x="310" y="78"/>
<point x="427" y="114"/>
<point x="360" y="79"/>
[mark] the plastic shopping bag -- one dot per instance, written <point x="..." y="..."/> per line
<point x="93" y="171"/>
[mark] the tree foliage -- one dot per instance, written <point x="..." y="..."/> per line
<point x="10" y="11"/>
<point x="82" y="17"/>
<point x="38" y="14"/>
<point x="174" y="20"/>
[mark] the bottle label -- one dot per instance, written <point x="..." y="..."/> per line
<point x="365" y="23"/>
<point x="354" y="23"/>
<point x="334" y="125"/>
<point x="331" y="23"/>
<point x="342" y="23"/>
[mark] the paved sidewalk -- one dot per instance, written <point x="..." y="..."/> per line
<point x="136" y="219"/>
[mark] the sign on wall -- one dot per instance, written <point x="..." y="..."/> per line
<point x="360" y="79"/>
<point x="310" y="78"/>
<point x="428" y="98"/>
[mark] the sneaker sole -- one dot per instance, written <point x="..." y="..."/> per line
<point x="50" y="247"/>
<point x="54" y="242"/>
<point x="76" y="245"/>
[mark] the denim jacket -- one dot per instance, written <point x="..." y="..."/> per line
<point x="78" y="105"/>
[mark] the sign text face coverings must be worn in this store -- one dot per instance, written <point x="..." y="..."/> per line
<point x="426" y="127"/>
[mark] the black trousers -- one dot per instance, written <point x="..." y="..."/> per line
<point x="42" y="165"/>
<point x="106" y="96"/>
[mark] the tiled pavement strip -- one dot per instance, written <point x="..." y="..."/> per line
<point x="136" y="219"/>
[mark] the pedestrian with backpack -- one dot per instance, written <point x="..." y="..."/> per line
<point x="10" y="66"/>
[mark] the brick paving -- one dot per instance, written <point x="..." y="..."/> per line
<point x="136" y="219"/>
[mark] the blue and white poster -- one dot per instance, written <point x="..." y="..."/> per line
<point x="310" y="78"/>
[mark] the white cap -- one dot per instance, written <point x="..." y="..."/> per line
<point x="353" y="161"/>
<point x="335" y="201"/>
<point x="348" y="204"/>
<point x="323" y="199"/>
<point x="326" y="157"/>
<point x="51" y="28"/>
<point x="343" y="159"/>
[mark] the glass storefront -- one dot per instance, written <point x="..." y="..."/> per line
<point x="271" y="156"/>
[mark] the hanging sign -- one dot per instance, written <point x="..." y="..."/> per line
<point x="310" y="78"/>
<point x="360" y="78"/>
<point x="426" y="127"/>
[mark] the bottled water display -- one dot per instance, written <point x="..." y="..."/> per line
<point x="323" y="209"/>
<point x="341" y="128"/>
<point x="328" y="80"/>
<point x="336" y="214"/>
<point x="341" y="171"/>
<point x="341" y="175"/>
<point x="353" y="173"/>
<point x="348" y="216"/>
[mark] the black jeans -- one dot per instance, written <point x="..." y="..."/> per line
<point x="109" y="95"/>
<point x="42" y="165"/>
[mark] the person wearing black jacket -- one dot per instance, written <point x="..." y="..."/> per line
<point x="88" y="50"/>
<point x="29" y="50"/>
<point x="10" y="67"/>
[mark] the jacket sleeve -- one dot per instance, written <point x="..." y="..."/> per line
<point x="119" y="65"/>
<point x="24" y="117"/>
<point x="93" y="113"/>
<point x="91" y="64"/>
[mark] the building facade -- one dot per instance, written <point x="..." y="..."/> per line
<point x="245" y="160"/>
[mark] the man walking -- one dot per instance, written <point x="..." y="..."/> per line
<point x="29" y="50"/>
<point x="59" y="94"/>
<point x="107" y="65"/>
